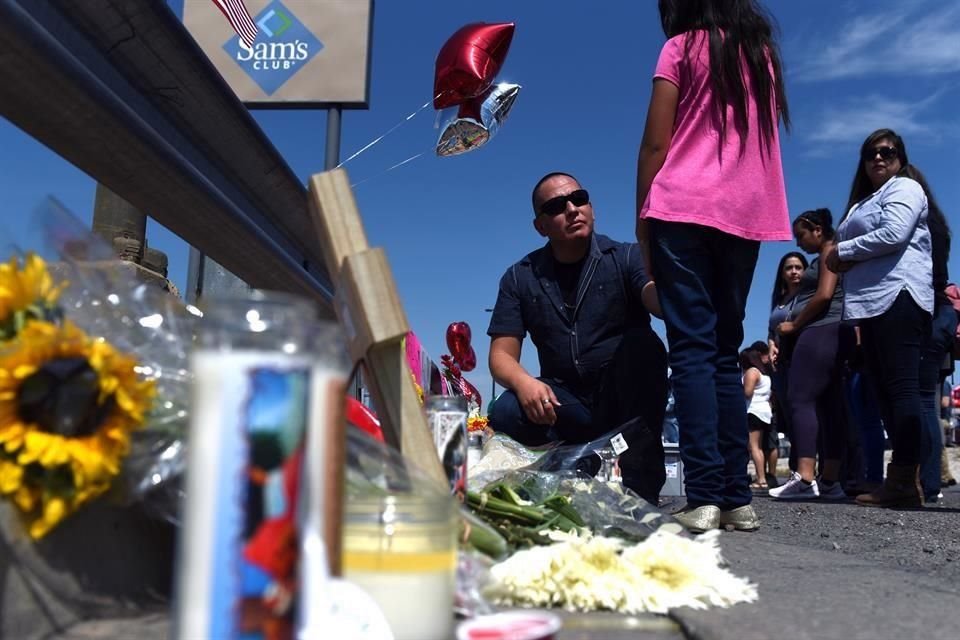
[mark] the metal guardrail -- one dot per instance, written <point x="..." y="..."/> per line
<point x="120" y="89"/>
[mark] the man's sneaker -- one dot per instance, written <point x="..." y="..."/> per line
<point x="796" y="489"/>
<point x="831" y="490"/>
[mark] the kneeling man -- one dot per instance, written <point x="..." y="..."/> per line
<point x="601" y="365"/>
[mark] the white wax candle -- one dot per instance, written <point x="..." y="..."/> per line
<point x="208" y="581"/>
<point x="418" y="605"/>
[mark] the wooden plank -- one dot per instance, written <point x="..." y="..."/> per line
<point x="372" y="315"/>
<point x="336" y="218"/>
<point x="366" y="283"/>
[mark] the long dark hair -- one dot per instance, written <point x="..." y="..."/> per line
<point x="936" y="221"/>
<point x="779" y="284"/>
<point x="862" y="186"/>
<point x="817" y="218"/>
<point x="740" y="31"/>
<point x="939" y="230"/>
<point x="751" y="358"/>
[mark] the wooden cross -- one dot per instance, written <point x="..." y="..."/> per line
<point x="372" y="316"/>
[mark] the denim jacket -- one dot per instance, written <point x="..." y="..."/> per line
<point x="573" y="350"/>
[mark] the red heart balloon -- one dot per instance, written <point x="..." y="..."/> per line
<point x="471" y="392"/>
<point x="469" y="61"/>
<point x="458" y="342"/>
<point x="469" y="362"/>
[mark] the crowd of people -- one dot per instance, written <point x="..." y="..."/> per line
<point x="894" y="328"/>
<point x="862" y="324"/>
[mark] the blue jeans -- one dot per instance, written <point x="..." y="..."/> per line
<point x="574" y="419"/>
<point x="863" y="408"/>
<point x="932" y="357"/>
<point x="631" y="395"/>
<point x="703" y="277"/>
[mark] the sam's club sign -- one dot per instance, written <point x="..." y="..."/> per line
<point x="283" y="47"/>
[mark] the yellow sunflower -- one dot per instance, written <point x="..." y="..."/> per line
<point x="27" y="292"/>
<point x="68" y="404"/>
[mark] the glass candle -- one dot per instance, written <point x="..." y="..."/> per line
<point x="402" y="550"/>
<point x="268" y="378"/>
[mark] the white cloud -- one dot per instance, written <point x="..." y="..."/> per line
<point x="916" y="39"/>
<point x="852" y="121"/>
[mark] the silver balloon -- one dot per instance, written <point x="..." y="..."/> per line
<point x="473" y="123"/>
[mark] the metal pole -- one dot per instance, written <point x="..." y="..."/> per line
<point x="332" y="158"/>
<point x="195" y="269"/>
<point x="116" y="219"/>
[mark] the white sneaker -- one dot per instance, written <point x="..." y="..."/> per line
<point x="796" y="489"/>
<point x="831" y="491"/>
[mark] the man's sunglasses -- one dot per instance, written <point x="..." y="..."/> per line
<point x="886" y="153"/>
<point x="556" y="206"/>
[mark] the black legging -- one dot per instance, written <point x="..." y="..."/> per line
<point x="816" y="392"/>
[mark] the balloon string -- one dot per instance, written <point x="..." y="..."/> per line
<point x="389" y="169"/>
<point x="389" y="131"/>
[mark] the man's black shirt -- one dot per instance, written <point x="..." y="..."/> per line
<point x="573" y="348"/>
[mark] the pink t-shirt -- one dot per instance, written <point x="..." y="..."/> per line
<point x="738" y="190"/>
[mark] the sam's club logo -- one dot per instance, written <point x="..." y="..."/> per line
<point x="283" y="47"/>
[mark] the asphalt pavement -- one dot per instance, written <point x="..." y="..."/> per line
<point x="841" y="571"/>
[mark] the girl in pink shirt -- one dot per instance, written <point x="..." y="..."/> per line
<point x="709" y="189"/>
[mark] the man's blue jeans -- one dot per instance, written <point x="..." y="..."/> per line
<point x="703" y="277"/>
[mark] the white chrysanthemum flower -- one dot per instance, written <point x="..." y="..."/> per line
<point x="585" y="573"/>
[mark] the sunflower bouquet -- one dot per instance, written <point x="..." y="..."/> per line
<point x="72" y="402"/>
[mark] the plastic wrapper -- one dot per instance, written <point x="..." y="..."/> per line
<point x="607" y="509"/>
<point x="593" y="459"/>
<point x="587" y="458"/>
<point x="501" y="454"/>
<point x="106" y="431"/>
<point x="473" y="574"/>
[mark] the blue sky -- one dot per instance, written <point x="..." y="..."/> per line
<point x="450" y="226"/>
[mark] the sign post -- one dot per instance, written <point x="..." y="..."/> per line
<point x="307" y="54"/>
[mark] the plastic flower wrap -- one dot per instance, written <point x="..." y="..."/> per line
<point x="93" y="381"/>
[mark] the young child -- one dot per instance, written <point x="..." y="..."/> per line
<point x="709" y="189"/>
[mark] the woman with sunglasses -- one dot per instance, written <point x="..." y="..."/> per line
<point x="815" y="393"/>
<point x="709" y="190"/>
<point x="789" y="272"/>
<point x="884" y="251"/>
